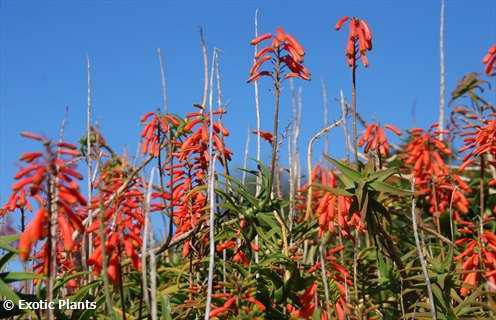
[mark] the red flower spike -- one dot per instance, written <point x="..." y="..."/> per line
<point x="359" y="40"/>
<point x="490" y="60"/>
<point x="285" y="51"/>
<point x="33" y="180"/>
<point x="341" y="22"/>
<point x="260" y="38"/>
<point x="33" y="136"/>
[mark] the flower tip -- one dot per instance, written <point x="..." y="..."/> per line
<point x="31" y="135"/>
<point x="260" y="38"/>
<point x="340" y="22"/>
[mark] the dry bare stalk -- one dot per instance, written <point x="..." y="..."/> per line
<point x="325" y="105"/>
<point x="224" y="160"/>
<point x="53" y="200"/>
<point x="420" y="252"/>
<point x="106" y="284"/>
<point x="309" y="163"/>
<point x="205" y="68"/>
<point x="104" y="275"/>
<point x="293" y="155"/>
<point x="52" y="240"/>
<point x="442" y="77"/>
<point x="216" y="72"/>
<point x="218" y="79"/>
<point x="211" y="196"/>
<point x="296" y="138"/>
<point x="163" y="81"/>
<point x="153" y="281"/>
<point x="211" y="263"/>
<point x="89" y="161"/>
<point x="324" y="278"/>
<point x="245" y="157"/>
<point x="146" y="238"/>
<point x="344" y="112"/>
<point x="52" y="270"/>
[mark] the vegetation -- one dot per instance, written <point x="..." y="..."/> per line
<point x="396" y="232"/>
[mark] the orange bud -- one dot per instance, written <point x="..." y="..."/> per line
<point x="341" y="21"/>
<point x="260" y="38"/>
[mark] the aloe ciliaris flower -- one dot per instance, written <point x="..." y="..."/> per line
<point x="285" y="51"/>
<point x="490" y="60"/>
<point x="360" y="37"/>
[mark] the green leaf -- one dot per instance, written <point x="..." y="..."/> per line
<point x="166" y="309"/>
<point x="7" y="292"/>
<point x="9" y="277"/>
<point x="352" y="176"/>
<point x="6" y="258"/>
<point x="388" y="188"/>
<point x="335" y="191"/>
<point x="5" y="242"/>
<point x="382" y="175"/>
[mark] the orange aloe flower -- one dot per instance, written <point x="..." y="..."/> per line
<point x="374" y="139"/>
<point x="267" y="136"/>
<point x="490" y="60"/>
<point x="285" y="52"/>
<point x="359" y="40"/>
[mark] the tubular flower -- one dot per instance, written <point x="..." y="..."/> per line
<point x="228" y="305"/>
<point x="123" y="220"/>
<point x="49" y="179"/>
<point x="424" y="155"/>
<point x="187" y="169"/>
<point x="359" y="40"/>
<point x="267" y="136"/>
<point x="307" y="303"/>
<point x="155" y="131"/>
<point x="490" y="60"/>
<point x="477" y="260"/>
<point x="285" y="52"/>
<point x="374" y="139"/>
<point x="334" y="212"/>
<point x="480" y="140"/>
<point x="340" y="276"/>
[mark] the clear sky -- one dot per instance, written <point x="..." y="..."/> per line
<point x="43" y="45"/>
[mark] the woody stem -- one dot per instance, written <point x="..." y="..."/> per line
<point x="121" y="286"/>
<point x="106" y="285"/>
<point x="481" y="187"/>
<point x="354" y="113"/>
<point x="277" y="94"/>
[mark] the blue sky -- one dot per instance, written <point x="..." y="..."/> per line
<point x="43" y="45"/>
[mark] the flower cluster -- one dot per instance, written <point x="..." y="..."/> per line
<point x="359" y="40"/>
<point x="374" y="139"/>
<point x="123" y="219"/>
<point x="333" y="211"/>
<point x="187" y="164"/>
<point x="49" y="179"/>
<point x="153" y="133"/>
<point x="490" y="60"/>
<point x="425" y="154"/>
<point x="477" y="256"/>
<point x="481" y="140"/>
<point x="285" y="52"/>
